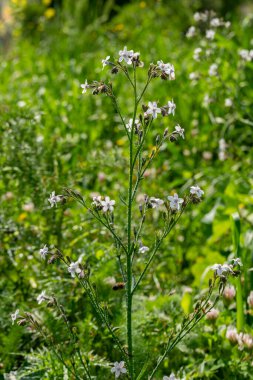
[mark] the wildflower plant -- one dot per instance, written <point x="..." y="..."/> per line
<point x="128" y="242"/>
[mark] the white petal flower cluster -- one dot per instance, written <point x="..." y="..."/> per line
<point x="167" y="69"/>
<point x="54" y="199"/>
<point x="44" y="251"/>
<point x="74" y="268"/>
<point x="103" y="203"/>
<point x="42" y="297"/>
<point x="201" y="16"/>
<point x="118" y="368"/>
<point x="246" y="55"/>
<point x="175" y="202"/>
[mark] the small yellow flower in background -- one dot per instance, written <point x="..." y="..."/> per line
<point x="49" y="13"/>
<point x="22" y="216"/>
<point x="46" y="2"/>
<point x="143" y="4"/>
<point x="118" y="27"/>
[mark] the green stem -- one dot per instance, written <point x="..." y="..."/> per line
<point x="129" y="243"/>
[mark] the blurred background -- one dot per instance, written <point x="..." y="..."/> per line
<point x="53" y="136"/>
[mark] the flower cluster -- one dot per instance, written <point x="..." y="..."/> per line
<point x="163" y="70"/>
<point x="223" y="270"/>
<point x="246" y="55"/>
<point x="240" y="339"/>
<point x="103" y="203"/>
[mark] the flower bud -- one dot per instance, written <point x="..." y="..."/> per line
<point x="212" y="315"/>
<point x="229" y="293"/>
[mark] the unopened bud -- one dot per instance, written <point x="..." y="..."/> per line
<point x="115" y="70"/>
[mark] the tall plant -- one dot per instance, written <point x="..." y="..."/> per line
<point x="128" y="241"/>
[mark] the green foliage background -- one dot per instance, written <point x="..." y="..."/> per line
<point x="52" y="136"/>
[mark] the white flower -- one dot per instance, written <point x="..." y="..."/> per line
<point x="143" y="249"/>
<point x="153" y="109"/>
<point x="191" y="32"/>
<point x="42" y="297"/>
<point x="108" y="204"/>
<point x="167" y="68"/>
<point x="171" y="107"/>
<point x="155" y="202"/>
<point x="74" y="268"/>
<point x="179" y="131"/>
<point x="199" y="16"/>
<point x="44" y="251"/>
<point x="236" y="262"/>
<point x="105" y="61"/>
<point x="246" y="55"/>
<point x="14" y="316"/>
<point x="118" y="368"/>
<point x="175" y="202"/>
<point x="210" y="34"/>
<point x="97" y="201"/>
<point x="196" y="190"/>
<point x="85" y="86"/>
<point x="220" y="269"/>
<point x="54" y="199"/>
<point x="228" y="102"/>
<point x="196" y="54"/>
<point x="193" y="76"/>
<point x="126" y="55"/>
<point x="130" y="123"/>
<point x="215" y="22"/>
<point x="213" y="70"/>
